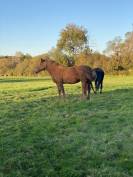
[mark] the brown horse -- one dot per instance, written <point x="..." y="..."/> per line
<point x="68" y="75"/>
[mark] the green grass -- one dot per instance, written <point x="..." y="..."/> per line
<point x="44" y="136"/>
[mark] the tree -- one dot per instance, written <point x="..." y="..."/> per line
<point x="128" y="44"/>
<point x="58" y="55"/>
<point x="114" y="46"/>
<point x="73" y="40"/>
<point x="19" y="54"/>
<point x="122" y="52"/>
<point x="28" y="56"/>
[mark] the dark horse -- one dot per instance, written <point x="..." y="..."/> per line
<point x="68" y="75"/>
<point x="99" y="79"/>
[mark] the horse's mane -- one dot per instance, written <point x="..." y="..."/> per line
<point x="53" y="62"/>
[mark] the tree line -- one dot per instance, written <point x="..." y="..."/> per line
<point x="73" y="48"/>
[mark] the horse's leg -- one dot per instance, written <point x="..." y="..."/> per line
<point x="84" y="91"/>
<point x="63" y="91"/>
<point x="101" y="86"/>
<point x="96" y="83"/>
<point x="89" y="84"/>
<point x="59" y="89"/>
<point x="92" y="87"/>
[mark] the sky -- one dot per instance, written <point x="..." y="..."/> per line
<point x="33" y="26"/>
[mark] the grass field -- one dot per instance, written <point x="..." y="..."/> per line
<point x="43" y="136"/>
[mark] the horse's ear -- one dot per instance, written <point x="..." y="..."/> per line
<point x="42" y="60"/>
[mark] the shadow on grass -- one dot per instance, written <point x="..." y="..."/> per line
<point x="61" y="135"/>
<point x="113" y="93"/>
<point x="40" y="89"/>
<point x="15" y="80"/>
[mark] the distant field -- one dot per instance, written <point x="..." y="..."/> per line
<point x="43" y="136"/>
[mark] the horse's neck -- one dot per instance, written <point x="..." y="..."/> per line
<point x="52" y="69"/>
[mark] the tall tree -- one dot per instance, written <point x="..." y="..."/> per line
<point x="58" y="55"/>
<point x="122" y="51"/>
<point x="113" y="46"/>
<point x="73" y="40"/>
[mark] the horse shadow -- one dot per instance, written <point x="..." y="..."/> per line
<point x="116" y="95"/>
<point x="19" y="80"/>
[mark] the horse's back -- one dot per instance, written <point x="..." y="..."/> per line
<point x="99" y="70"/>
<point x="75" y="74"/>
<point x="70" y="75"/>
<point x="99" y="73"/>
<point x="86" y="72"/>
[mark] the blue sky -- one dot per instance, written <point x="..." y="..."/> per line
<point x="33" y="26"/>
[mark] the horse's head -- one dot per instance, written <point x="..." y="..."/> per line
<point x="42" y="66"/>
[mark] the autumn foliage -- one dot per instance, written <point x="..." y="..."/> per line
<point x="72" y="48"/>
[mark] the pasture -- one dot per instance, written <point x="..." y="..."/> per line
<point x="44" y="136"/>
